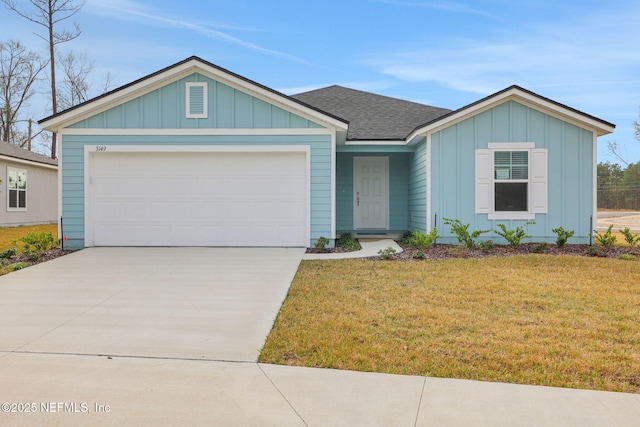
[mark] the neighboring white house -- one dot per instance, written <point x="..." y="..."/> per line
<point x="29" y="187"/>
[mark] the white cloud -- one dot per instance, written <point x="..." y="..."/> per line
<point x="130" y="10"/>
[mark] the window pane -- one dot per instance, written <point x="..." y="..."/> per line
<point x="22" y="199"/>
<point x="511" y="197"/>
<point x="22" y="180"/>
<point x="13" y="198"/>
<point x="511" y="165"/>
<point x="13" y="179"/>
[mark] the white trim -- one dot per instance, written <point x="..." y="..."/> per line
<point x="594" y="185"/>
<point x="27" y="162"/>
<point x="377" y="142"/>
<point x="205" y="100"/>
<point x="511" y="145"/>
<point x="387" y="192"/>
<point x="333" y="185"/>
<point x="512" y="216"/>
<point x="25" y="190"/>
<point x="60" y="225"/>
<point x="175" y="73"/>
<point x="524" y="98"/>
<point x="105" y="149"/>
<point x="428" y="178"/>
<point x="195" y="132"/>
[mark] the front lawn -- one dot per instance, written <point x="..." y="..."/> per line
<point x="560" y="321"/>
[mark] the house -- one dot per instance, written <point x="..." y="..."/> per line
<point x="28" y="187"/>
<point x="197" y="155"/>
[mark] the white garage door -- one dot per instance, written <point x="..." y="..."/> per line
<point x="197" y="199"/>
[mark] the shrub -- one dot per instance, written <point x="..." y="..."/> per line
<point x="514" y="237"/>
<point x="420" y="254"/>
<point x="462" y="232"/>
<point x="35" y="243"/>
<point x="321" y="244"/>
<point x="486" y="245"/>
<point x="628" y="257"/>
<point x="405" y="237"/>
<point x="421" y="240"/>
<point x="540" y="247"/>
<point x="563" y="236"/>
<point x="387" y="253"/>
<point x="606" y="239"/>
<point x="629" y="237"/>
<point x="347" y="241"/>
<point x="17" y="266"/>
<point x="8" y="253"/>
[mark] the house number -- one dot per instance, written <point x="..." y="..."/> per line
<point x="101" y="148"/>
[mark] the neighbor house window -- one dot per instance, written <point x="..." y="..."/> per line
<point x="17" y="189"/>
<point x="511" y="181"/>
<point x="197" y="105"/>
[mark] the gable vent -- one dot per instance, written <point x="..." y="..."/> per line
<point x="197" y="101"/>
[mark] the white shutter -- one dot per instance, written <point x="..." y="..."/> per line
<point x="539" y="173"/>
<point x="483" y="181"/>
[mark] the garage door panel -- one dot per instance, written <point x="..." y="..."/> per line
<point x="204" y="199"/>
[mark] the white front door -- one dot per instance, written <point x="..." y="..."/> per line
<point x="371" y="193"/>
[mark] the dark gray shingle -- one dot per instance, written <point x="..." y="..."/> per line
<point x="371" y="116"/>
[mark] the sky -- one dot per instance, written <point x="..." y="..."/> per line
<point x="581" y="53"/>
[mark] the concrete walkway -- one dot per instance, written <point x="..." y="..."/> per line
<point x="370" y="247"/>
<point x="141" y="336"/>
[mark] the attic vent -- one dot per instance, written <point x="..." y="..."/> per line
<point x="197" y="101"/>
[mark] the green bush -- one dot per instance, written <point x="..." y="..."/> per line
<point x="421" y="240"/>
<point x="17" y="266"/>
<point x="629" y="237"/>
<point x="35" y="243"/>
<point x="563" y="236"/>
<point x="514" y="237"/>
<point x="462" y="232"/>
<point x="486" y="245"/>
<point x="347" y="241"/>
<point x="321" y="244"/>
<point x="387" y="253"/>
<point x="628" y="257"/>
<point x="540" y="247"/>
<point x="8" y="253"/>
<point x="606" y="239"/>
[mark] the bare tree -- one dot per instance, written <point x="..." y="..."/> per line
<point x="19" y="69"/>
<point x="48" y="14"/>
<point x="75" y="86"/>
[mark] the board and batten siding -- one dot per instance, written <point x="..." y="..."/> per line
<point x="418" y="188"/>
<point x="398" y="189"/>
<point x="165" y="109"/>
<point x="570" y="173"/>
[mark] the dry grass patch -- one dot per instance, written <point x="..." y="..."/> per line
<point x="547" y="320"/>
<point x="9" y="234"/>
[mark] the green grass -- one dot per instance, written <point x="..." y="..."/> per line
<point x="546" y="320"/>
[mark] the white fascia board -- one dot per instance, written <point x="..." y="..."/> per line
<point x="28" y="162"/>
<point x="374" y="142"/>
<point x="176" y="73"/>
<point x="196" y="132"/>
<point x="521" y="97"/>
<point x="196" y="149"/>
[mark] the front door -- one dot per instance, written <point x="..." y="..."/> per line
<point x="371" y="193"/>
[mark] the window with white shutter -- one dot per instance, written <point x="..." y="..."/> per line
<point x="511" y="181"/>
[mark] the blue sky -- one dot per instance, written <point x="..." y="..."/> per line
<point x="585" y="54"/>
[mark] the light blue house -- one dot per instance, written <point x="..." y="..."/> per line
<point x="195" y="155"/>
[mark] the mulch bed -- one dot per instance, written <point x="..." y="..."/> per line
<point x="44" y="256"/>
<point x="446" y="251"/>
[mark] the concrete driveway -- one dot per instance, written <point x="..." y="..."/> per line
<point x="185" y="303"/>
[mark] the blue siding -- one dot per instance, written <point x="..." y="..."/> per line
<point x="570" y="173"/>
<point x="165" y="108"/>
<point x="398" y="190"/>
<point x="418" y="188"/>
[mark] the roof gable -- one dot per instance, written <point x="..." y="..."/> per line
<point x="181" y="70"/>
<point x="372" y="117"/>
<point x="522" y="96"/>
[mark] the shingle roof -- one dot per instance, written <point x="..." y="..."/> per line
<point x="371" y="116"/>
<point x="16" y="152"/>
